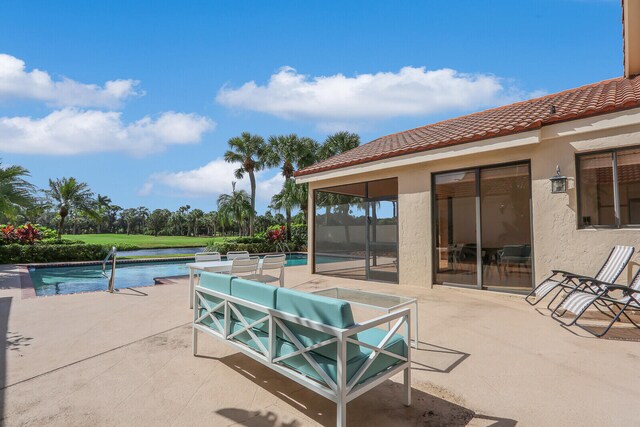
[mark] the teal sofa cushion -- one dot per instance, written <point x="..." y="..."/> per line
<point x="246" y="338"/>
<point x="216" y="282"/>
<point x="258" y="293"/>
<point x="373" y="336"/>
<point x="328" y="311"/>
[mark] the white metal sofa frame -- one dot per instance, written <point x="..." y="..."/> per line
<point x="340" y="391"/>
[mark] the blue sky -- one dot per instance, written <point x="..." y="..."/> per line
<point x="138" y="99"/>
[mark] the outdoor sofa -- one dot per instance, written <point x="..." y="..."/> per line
<point x="310" y="339"/>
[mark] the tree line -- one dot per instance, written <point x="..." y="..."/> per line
<point x="69" y="205"/>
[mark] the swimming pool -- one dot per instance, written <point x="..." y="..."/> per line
<point x="88" y="278"/>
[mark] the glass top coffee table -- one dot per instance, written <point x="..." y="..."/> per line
<point x="375" y="300"/>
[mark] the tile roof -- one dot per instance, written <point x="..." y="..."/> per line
<point x="598" y="98"/>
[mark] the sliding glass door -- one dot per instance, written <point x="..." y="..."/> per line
<point x="456" y="228"/>
<point x="356" y="230"/>
<point x="482" y="227"/>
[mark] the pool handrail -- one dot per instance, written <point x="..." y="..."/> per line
<point x="112" y="254"/>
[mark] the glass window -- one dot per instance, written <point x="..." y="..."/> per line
<point x="628" y="162"/>
<point x="596" y="189"/>
<point x="609" y="188"/>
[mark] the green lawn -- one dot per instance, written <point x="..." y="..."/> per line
<point x="143" y="241"/>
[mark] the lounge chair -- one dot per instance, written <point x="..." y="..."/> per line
<point x="563" y="280"/>
<point x="578" y="301"/>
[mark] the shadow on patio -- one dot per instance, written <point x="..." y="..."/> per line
<point x="380" y="406"/>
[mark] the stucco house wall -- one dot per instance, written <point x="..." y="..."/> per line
<point x="557" y="240"/>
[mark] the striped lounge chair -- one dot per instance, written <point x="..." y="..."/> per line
<point x="565" y="281"/>
<point x="578" y="301"/>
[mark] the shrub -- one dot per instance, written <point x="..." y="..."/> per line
<point x="232" y="245"/>
<point x="299" y="236"/>
<point x="56" y="241"/>
<point x="27" y="234"/>
<point x="16" y="253"/>
<point x="24" y="234"/>
<point x="277" y="234"/>
<point x="255" y="239"/>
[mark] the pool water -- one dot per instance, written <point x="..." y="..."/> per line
<point x="163" y="251"/>
<point x="88" y="278"/>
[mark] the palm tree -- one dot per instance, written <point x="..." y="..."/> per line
<point x="130" y="217"/>
<point x="16" y="193"/>
<point x="157" y="220"/>
<point x="234" y="207"/>
<point x="181" y="215"/>
<point x="290" y="197"/>
<point x="292" y="153"/>
<point x="248" y="150"/>
<point x="194" y="217"/>
<point x="69" y="195"/>
<point x="338" y="143"/>
<point x="103" y="203"/>
<point x="211" y="222"/>
<point x="142" y="213"/>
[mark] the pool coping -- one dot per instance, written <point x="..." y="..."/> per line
<point x="27" y="289"/>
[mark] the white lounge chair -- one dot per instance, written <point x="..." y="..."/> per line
<point x="231" y="255"/>
<point x="578" y="301"/>
<point x="271" y="262"/>
<point x="566" y="281"/>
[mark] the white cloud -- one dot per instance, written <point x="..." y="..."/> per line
<point x="17" y="83"/>
<point x="210" y="181"/>
<point x="71" y="131"/>
<point x="338" y="99"/>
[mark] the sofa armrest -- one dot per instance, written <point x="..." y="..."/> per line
<point x="380" y="320"/>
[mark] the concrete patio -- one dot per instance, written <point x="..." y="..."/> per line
<point x="125" y="359"/>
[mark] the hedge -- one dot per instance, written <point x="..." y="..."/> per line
<point x="20" y="254"/>
<point x="251" y="245"/>
<point x="233" y="245"/>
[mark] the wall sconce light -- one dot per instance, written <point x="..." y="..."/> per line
<point x="558" y="182"/>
